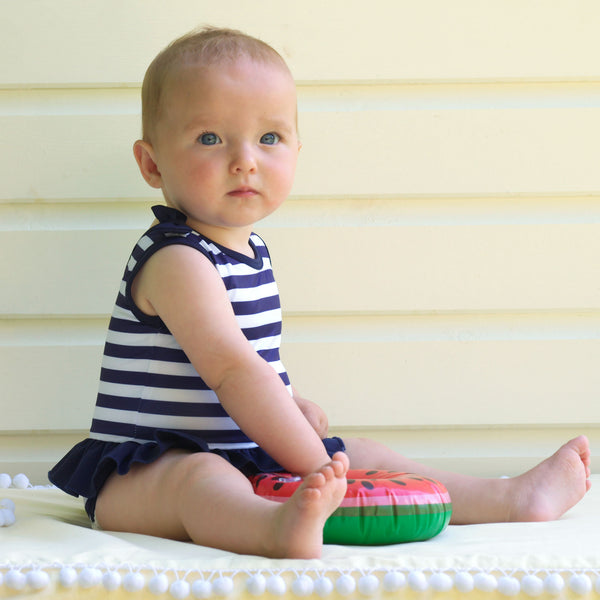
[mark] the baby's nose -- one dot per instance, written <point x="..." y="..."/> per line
<point x="243" y="160"/>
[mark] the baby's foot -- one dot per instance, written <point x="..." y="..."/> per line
<point x="555" y="485"/>
<point x="299" y="527"/>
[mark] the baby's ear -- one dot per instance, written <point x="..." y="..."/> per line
<point x="144" y="156"/>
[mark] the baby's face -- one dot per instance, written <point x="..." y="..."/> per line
<point x="226" y="145"/>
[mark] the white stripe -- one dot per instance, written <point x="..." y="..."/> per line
<point x="266" y="343"/>
<point x="142" y="365"/>
<point x="159" y="394"/>
<point x="267" y="317"/>
<point x="240" y="446"/>
<point x="107" y="437"/>
<point x="230" y="269"/>
<point x="131" y="417"/>
<point x="145" y="242"/>
<point x="161" y="340"/>
<point x="123" y="313"/>
<point x="251" y="294"/>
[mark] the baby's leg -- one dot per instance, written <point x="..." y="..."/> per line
<point x="201" y="497"/>
<point x="541" y="494"/>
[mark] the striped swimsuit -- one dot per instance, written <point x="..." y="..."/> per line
<point x="147" y="382"/>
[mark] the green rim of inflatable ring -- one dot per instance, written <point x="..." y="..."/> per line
<point x="379" y="508"/>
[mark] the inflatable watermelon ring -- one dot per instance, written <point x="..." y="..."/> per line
<point x="380" y="507"/>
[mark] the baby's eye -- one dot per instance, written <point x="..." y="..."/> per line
<point x="209" y="139"/>
<point x="270" y="138"/>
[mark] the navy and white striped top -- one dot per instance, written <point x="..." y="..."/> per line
<point x="147" y="382"/>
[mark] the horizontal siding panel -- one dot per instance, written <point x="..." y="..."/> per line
<point x="48" y="387"/>
<point x="366" y="269"/>
<point x="430" y="383"/>
<point x="108" y="41"/>
<point x="349" y="153"/>
<point x="460" y="268"/>
<point x="360" y="383"/>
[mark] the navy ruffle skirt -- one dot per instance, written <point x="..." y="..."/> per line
<point x="86" y="467"/>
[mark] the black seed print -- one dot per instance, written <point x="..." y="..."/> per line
<point x="367" y="484"/>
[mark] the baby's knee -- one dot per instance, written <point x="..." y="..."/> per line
<point x="200" y="465"/>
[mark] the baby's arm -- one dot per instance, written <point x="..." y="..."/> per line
<point x="181" y="286"/>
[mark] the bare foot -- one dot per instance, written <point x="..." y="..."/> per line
<point x="555" y="485"/>
<point x="299" y="526"/>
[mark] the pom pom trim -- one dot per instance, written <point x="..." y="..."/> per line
<point x="27" y="578"/>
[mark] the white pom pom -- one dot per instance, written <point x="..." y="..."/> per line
<point x="133" y="582"/>
<point x="89" y="577"/>
<point x="2" y="517"/>
<point x="15" y="580"/>
<point x="532" y="585"/>
<point x="20" y="481"/>
<point x="5" y="481"/>
<point x="393" y="581"/>
<point x="463" y="582"/>
<point x="8" y="517"/>
<point x="8" y="504"/>
<point x="554" y="584"/>
<point x="256" y="585"/>
<point x="597" y="585"/>
<point x="158" y="584"/>
<point x="276" y="585"/>
<point x="323" y="586"/>
<point x="368" y="584"/>
<point x="111" y="581"/>
<point x="509" y="586"/>
<point x="180" y="589"/>
<point x="485" y="582"/>
<point x="38" y="579"/>
<point x="303" y="586"/>
<point x="223" y="586"/>
<point x="441" y="582"/>
<point x="580" y="584"/>
<point x="201" y="589"/>
<point x="417" y="581"/>
<point x="67" y="577"/>
<point x="345" y="585"/>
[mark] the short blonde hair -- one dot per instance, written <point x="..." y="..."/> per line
<point x="207" y="46"/>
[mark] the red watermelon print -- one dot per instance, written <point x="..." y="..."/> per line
<point x="380" y="507"/>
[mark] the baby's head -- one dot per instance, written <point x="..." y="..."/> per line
<point x="206" y="47"/>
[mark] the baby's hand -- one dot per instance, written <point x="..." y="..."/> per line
<point x="314" y="414"/>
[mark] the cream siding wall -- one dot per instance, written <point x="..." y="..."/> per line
<point x="448" y="183"/>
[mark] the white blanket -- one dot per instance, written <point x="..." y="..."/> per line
<point x="51" y="550"/>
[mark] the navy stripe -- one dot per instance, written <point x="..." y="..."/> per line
<point x="126" y="326"/>
<point x="183" y="409"/>
<point x="146" y="352"/>
<point x="262" y="331"/>
<point x="253" y="307"/>
<point x="269" y="354"/>
<point x="241" y="282"/>
<point x="113" y="428"/>
<point x="118" y="402"/>
<point x="155" y="380"/>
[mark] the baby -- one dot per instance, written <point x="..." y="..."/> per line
<point x="193" y="397"/>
